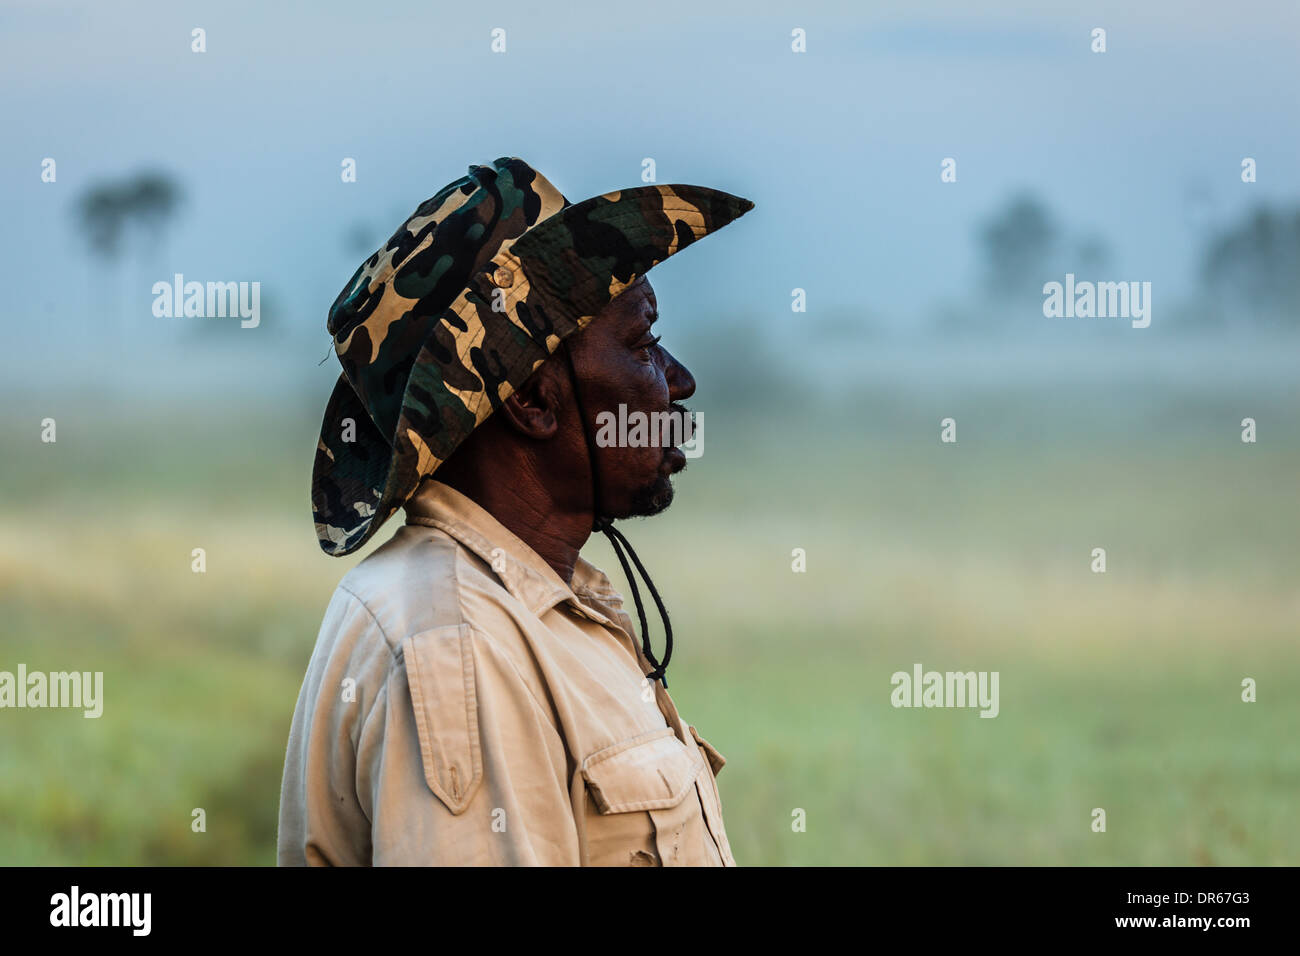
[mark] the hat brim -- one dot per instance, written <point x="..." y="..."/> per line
<point x="350" y="471"/>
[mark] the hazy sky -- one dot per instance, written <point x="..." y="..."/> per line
<point x="839" y="147"/>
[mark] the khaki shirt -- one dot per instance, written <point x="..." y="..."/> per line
<point x="464" y="706"/>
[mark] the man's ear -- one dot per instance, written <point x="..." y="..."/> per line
<point x="531" y="408"/>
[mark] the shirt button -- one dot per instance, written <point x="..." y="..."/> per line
<point x="503" y="277"/>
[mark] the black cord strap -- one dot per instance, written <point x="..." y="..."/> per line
<point x="615" y="537"/>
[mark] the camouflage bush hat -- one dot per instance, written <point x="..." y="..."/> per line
<point x="473" y="292"/>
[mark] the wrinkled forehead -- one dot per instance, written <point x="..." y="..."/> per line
<point x="627" y="310"/>
<point x="631" y="298"/>
<point x="628" y="307"/>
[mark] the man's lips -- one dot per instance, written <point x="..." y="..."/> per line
<point x="687" y="426"/>
<point x="674" y="459"/>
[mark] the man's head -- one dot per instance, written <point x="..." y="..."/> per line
<point x="468" y="301"/>
<point x="537" y="437"/>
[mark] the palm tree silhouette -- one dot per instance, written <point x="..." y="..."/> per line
<point x="114" y="214"/>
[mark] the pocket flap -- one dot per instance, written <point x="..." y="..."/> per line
<point x="647" y="772"/>
<point x="440" y="672"/>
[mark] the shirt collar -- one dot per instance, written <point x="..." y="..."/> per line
<point x="522" y="570"/>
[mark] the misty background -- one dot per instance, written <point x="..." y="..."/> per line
<point x="822" y="427"/>
<point x="1123" y="165"/>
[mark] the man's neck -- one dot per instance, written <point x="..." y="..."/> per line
<point x="528" y="509"/>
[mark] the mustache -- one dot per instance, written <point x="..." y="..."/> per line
<point x="683" y="415"/>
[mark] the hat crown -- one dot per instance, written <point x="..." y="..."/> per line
<point x="383" y="315"/>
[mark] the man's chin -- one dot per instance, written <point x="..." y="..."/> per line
<point x="653" y="498"/>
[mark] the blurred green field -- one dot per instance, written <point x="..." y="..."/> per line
<point x="1119" y="691"/>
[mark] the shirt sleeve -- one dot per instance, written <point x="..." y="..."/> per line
<point x="428" y="752"/>
<point x="321" y="821"/>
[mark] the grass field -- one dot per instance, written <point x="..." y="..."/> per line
<point x="1119" y="690"/>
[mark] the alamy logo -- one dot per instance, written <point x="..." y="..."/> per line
<point x="102" y="909"/>
<point x="1102" y="300"/>
<point x="56" y="689"/>
<point x="677" y="427"/>
<point x="215" y="300"/>
<point x="949" y="689"/>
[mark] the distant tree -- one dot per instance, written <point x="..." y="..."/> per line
<point x="107" y="210"/>
<point x="101" y="215"/>
<point x="1018" y="244"/>
<point x="108" y="213"/>
<point x="1255" y="264"/>
<point x="151" y="200"/>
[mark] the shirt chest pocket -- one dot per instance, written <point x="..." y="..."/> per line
<point x="642" y="805"/>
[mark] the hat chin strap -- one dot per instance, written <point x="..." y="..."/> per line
<point x="604" y="524"/>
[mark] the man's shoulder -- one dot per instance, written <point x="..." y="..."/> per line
<point x="418" y="581"/>
<point x="424" y="593"/>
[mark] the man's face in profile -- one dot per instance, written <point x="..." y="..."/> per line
<point x="620" y="361"/>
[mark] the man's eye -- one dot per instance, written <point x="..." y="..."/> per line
<point x="650" y="343"/>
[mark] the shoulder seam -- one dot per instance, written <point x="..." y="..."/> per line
<point x="388" y="642"/>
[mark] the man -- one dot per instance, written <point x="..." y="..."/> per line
<point x="477" y="694"/>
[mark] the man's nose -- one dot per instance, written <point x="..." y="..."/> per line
<point x="681" y="383"/>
